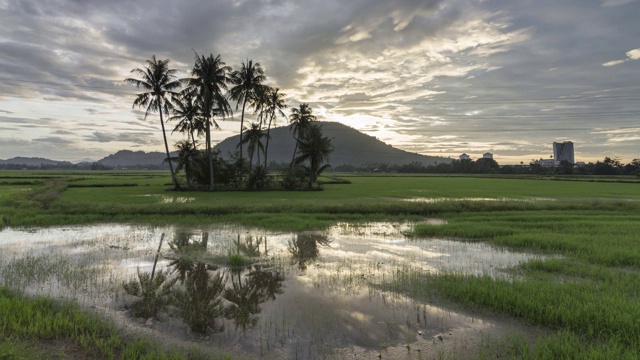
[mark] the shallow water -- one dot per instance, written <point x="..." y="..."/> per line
<point x="496" y="199"/>
<point x="304" y="295"/>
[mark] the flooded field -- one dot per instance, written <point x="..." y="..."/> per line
<point x="259" y="294"/>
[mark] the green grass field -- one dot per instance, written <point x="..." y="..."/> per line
<point x="586" y="292"/>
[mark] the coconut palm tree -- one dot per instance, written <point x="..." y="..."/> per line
<point x="247" y="82"/>
<point x="316" y="149"/>
<point x="254" y="142"/>
<point x="188" y="112"/>
<point x="275" y="104"/>
<point x="187" y="156"/>
<point x="300" y="120"/>
<point x="209" y="82"/>
<point x="159" y="82"/>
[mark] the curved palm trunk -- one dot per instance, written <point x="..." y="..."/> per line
<point x="176" y="186"/>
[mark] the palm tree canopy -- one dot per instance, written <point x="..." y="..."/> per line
<point x="314" y="147"/>
<point x="187" y="110"/>
<point x="247" y="82"/>
<point x="158" y="81"/>
<point x="300" y="119"/>
<point x="253" y="137"/>
<point x="210" y="79"/>
<point x="276" y="102"/>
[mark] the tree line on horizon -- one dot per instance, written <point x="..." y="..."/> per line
<point x="608" y="166"/>
<point x="196" y="103"/>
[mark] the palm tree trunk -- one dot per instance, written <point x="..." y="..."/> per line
<point x="244" y="104"/>
<point x="295" y="150"/>
<point x="266" y="149"/>
<point x="211" y="179"/>
<point x="176" y="186"/>
<point x="251" y="161"/>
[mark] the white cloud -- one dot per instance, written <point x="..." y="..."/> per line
<point x="614" y="62"/>
<point x="633" y="54"/>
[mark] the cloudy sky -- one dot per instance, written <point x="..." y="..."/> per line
<point x="437" y="77"/>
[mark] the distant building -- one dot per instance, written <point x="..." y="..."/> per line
<point x="464" y="157"/>
<point x="487" y="155"/>
<point x="563" y="152"/>
<point x="545" y="162"/>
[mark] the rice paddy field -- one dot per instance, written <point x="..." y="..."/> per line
<point x="396" y="267"/>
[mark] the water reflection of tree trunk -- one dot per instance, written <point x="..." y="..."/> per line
<point x="305" y="247"/>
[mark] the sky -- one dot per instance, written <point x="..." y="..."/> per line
<point x="436" y="77"/>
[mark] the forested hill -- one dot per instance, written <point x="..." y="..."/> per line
<point x="351" y="147"/>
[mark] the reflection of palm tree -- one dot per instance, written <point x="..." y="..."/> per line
<point x="200" y="304"/>
<point x="245" y="298"/>
<point x="159" y="81"/>
<point x="304" y="247"/>
<point x="187" y="253"/>
<point x="250" y="246"/>
<point x="151" y="291"/>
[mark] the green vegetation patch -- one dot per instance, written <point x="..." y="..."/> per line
<point x="43" y="324"/>
<point x="587" y="289"/>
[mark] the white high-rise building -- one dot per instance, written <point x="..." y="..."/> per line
<point x="563" y="152"/>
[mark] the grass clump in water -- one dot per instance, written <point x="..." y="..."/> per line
<point x="587" y="289"/>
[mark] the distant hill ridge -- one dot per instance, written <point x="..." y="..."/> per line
<point x="351" y="147"/>
<point x="134" y="158"/>
<point x="32" y="161"/>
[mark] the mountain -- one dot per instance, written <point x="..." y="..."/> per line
<point x="32" y="161"/>
<point x="128" y="158"/>
<point x="351" y="147"/>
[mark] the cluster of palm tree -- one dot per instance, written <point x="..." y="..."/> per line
<point x="196" y="102"/>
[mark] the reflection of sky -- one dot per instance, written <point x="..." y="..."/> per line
<point x="328" y="303"/>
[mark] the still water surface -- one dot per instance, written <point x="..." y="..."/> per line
<point x="300" y="295"/>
